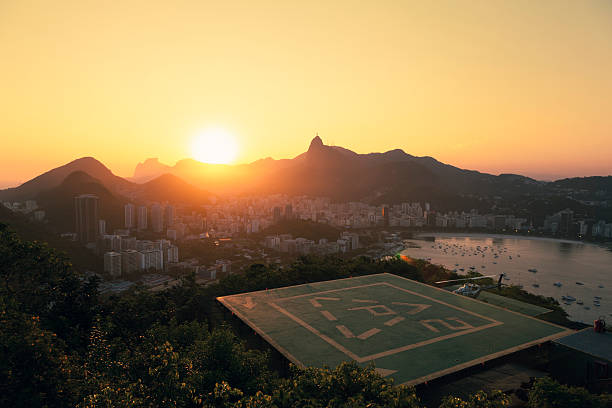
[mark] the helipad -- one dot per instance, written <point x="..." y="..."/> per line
<point x="410" y="331"/>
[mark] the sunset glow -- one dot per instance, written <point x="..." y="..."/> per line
<point x="215" y="146"/>
<point x="495" y="86"/>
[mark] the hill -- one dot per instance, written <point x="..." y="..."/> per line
<point x="54" y="177"/>
<point x="58" y="202"/>
<point x="171" y="188"/>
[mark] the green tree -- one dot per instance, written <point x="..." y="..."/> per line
<point x="481" y="399"/>
<point x="548" y="393"/>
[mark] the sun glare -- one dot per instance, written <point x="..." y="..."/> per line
<point x="214" y="145"/>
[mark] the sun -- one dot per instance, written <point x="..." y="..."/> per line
<point x="214" y="145"/>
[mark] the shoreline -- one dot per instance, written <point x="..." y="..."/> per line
<point x="503" y="236"/>
<point x="577" y="318"/>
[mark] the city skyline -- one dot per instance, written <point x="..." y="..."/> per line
<point x="499" y="87"/>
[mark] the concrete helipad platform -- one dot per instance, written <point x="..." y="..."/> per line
<point x="410" y="331"/>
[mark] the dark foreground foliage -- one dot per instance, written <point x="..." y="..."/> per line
<point x="63" y="346"/>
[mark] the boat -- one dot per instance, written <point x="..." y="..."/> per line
<point x="534" y="270"/>
<point x="568" y="298"/>
<point x="558" y="284"/>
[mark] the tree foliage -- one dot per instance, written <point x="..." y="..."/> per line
<point x="547" y="393"/>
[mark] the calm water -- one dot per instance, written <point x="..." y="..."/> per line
<point x="555" y="261"/>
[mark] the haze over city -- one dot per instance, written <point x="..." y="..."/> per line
<point x="495" y="86"/>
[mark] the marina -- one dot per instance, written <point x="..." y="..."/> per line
<point x="576" y="274"/>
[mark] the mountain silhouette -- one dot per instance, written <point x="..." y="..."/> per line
<point x="342" y="174"/>
<point x="322" y="170"/>
<point x="55" y="177"/>
<point x="58" y="202"/>
<point x="148" y="170"/>
<point x="170" y="188"/>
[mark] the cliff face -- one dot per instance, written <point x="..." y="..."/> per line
<point x="150" y="169"/>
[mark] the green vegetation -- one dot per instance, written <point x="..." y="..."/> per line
<point x="62" y="345"/>
<point x="547" y="393"/>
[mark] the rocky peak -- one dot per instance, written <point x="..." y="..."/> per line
<point x="316" y="143"/>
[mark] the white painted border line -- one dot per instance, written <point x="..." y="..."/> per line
<point x="486" y="358"/>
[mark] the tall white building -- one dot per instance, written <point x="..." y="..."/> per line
<point x="157" y="218"/>
<point x="112" y="264"/>
<point x="142" y="218"/>
<point x="171" y="254"/>
<point x="130" y="215"/>
<point x="153" y="258"/>
<point x="102" y="227"/>
<point x="131" y="261"/>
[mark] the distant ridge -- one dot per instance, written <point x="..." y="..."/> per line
<point x="342" y="174"/>
<point x="322" y="170"/>
<point x="149" y="169"/>
<point x="171" y="188"/>
<point x="56" y="176"/>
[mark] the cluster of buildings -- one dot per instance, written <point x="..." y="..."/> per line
<point x="348" y="241"/>
<point x="251" y="215"/>
<point x="125" y="255"/>
<point x="565" y="223"/>
<point x="122" y="253"/>
<point x="162" y="219"/>
<point x="26" y="207"/>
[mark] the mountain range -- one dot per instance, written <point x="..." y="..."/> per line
<point x="336" y="172"/>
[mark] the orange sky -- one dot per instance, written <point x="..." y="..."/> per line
<point x="500" y="86"/>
